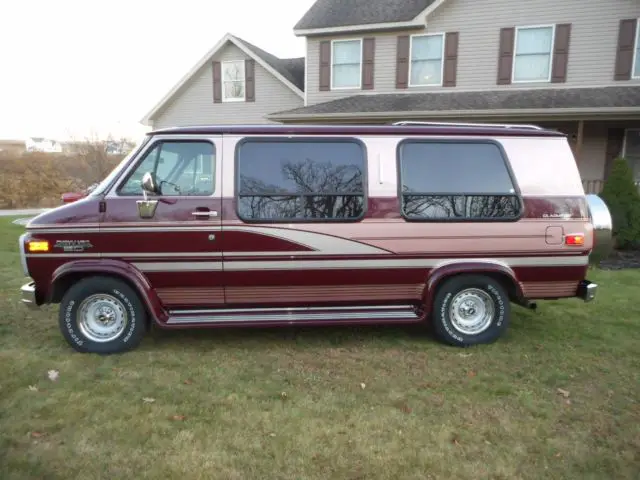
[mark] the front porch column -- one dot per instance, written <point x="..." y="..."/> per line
<point x="579" y="139"/>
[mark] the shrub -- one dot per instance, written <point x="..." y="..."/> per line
<point x="623" y="199"/>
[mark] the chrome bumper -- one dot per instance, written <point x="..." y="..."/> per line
<point x="587" y="290"/>
<point x="29" y="295"/>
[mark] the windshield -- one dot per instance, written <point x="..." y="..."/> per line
<point x="108" y="180"/>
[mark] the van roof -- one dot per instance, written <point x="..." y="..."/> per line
<point x="398" y="128"/>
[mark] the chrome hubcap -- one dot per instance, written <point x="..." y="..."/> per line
<point x="471" y="311"/>
<point x="102" y="318"/>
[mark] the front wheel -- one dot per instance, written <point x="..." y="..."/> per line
<point x="102" y="315"/>
<point x="470" y="310"/>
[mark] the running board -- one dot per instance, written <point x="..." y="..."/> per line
<point x="363" y="314"/>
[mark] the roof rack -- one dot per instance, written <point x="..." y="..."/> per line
<point x="462" y="124"/>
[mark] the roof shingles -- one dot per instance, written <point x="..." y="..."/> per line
<point x="548" y="98"/>
<point x="340" y="13"/>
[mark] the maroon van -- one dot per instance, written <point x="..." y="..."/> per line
<point x="323" y="225"/>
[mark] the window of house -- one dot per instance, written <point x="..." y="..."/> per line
<point x="233" y="78"/>
<point x="631" y="151"/>
<point x="427" y="53"/>
<point x="443" y="180"/>
<point x="346" y="63"/>
<point x="533" y="54"/>
<point x="300" y="180"/>
<point x="636" y="60"/>
<point x="183" y="168"/>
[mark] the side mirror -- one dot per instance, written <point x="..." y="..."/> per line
<point x="149" y="184"/>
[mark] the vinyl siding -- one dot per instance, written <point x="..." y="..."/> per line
<point x="594" y="37"/>
<point x="193" y="105"/>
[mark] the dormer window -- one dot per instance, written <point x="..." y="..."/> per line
<point x="346" y="64"/>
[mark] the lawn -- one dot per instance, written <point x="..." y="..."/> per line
<point x="557" y="397"/>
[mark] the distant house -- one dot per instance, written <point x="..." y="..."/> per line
<point x="12" y="146"/>
<point x="39" y="144"/>
<point x="120" y="147"/>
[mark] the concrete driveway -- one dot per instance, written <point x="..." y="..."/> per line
<point x="24" y="211"/>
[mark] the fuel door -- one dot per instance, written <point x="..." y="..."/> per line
<point x="554" y="235"/>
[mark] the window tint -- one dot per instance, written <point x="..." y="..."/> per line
<point x="181" y="169"/>
<point x="446" y="180"/>
<point x="300" y="180"/>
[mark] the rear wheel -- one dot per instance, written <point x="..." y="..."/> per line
<point x="470" y="310"/>
<point x="102" y="315"/>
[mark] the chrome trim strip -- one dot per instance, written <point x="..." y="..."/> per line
<point x="179" y="267"/>
<point x="292" y="309"/>
<point x="23" y="255"/>
<point x="290" y="317"/>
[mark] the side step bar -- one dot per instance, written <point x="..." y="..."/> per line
<point x="320" y="315"/>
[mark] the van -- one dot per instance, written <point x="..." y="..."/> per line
<point x="273" y="225"/>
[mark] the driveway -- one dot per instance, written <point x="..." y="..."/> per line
<point x="24" y="211"/>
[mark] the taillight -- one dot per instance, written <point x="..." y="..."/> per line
<point x="574" y="239"/>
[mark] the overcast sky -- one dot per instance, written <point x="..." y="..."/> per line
<point x="73" y="67"/>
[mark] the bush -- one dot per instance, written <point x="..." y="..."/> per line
<point x="33" y="180"/>
<point x="623" y="199"/>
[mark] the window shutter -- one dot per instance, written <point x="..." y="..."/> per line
<point x="402" y="62"/>
<point x="368" y="62"/>
<point x="325" y="66"/>
<point x="250" y="80"/>
<point x="626" y="42"/>
<point x="450" y="59"/>
<point x="561" y="53"/>
<point x="505" y="55"/>
<point x="217" y="82"/>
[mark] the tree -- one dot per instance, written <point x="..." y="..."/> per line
<point x="621" y="195"/>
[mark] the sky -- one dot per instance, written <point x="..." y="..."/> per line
<point x="74" y="69"/>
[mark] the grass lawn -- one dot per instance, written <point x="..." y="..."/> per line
<point x="557" y="397"/>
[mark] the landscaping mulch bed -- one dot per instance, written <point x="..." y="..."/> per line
<point x="622" y="259"/>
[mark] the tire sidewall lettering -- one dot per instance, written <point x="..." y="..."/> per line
<point x="70" y="324"/>
<point x="131" y="313"/>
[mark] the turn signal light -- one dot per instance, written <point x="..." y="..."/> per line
<point x="37" y="246"/>
<point x="574" y="240"/>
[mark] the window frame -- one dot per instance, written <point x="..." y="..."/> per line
<point x="442" y="55"/>
<point x="331" y="70"/>
<point x="505" y="159"/>
<point x="305" y="139"/>
<point x="117" y="190"/>
<point x="226" y="99"/>
<point x="551" y="52"/>
<point x="635" y="75"/>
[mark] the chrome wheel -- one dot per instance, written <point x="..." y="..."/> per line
<point x="471" y="311"/>
<point x="102" y="318"/>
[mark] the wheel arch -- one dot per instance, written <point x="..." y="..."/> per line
<point x="71" y="273"/>
<point x="498" y="271"/>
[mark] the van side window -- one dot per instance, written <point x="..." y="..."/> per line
<point x="182" y="168"/>
<point x="300" y="179"/>
<point x="456" y="180"/>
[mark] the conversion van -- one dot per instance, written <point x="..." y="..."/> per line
<point x="212" y="226"/>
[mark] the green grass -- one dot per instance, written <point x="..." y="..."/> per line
<point x="290" y="403"/>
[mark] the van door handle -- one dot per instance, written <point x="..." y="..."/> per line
<point x="207" y="213"/>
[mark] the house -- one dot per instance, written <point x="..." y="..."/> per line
<point x="570" y="65"/>
<point x="39" y="144"/>
<point x="234" y="82"/>
<point x="12" y="147"/>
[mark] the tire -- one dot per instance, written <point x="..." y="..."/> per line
<point x="102" y="315"/>
<point x="457" y="308"/>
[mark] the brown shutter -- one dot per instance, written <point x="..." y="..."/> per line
<point x="325" y="66"/>
<point x="368" y="62"/>
<point x="250" y="80"/>
<point x="402" y="62"/>
<point x="450" y="59"/>
<point x="615" y="141"/>
<point x="561" y="53"/>
<point x="505" y="55"/>
<point x="217" y="82"/>
<point x="626" y="42"/>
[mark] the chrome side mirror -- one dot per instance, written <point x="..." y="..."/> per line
<point x="146" y="207"/>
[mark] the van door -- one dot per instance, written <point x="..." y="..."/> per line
<point x="173" y="237"/>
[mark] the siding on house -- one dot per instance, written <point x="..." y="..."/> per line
<point x="592" y="51"/>
<point x="193" y="105"/>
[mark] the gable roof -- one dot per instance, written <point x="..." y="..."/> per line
<point x="326" y="16"/>
<point x="288" y="71"/>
